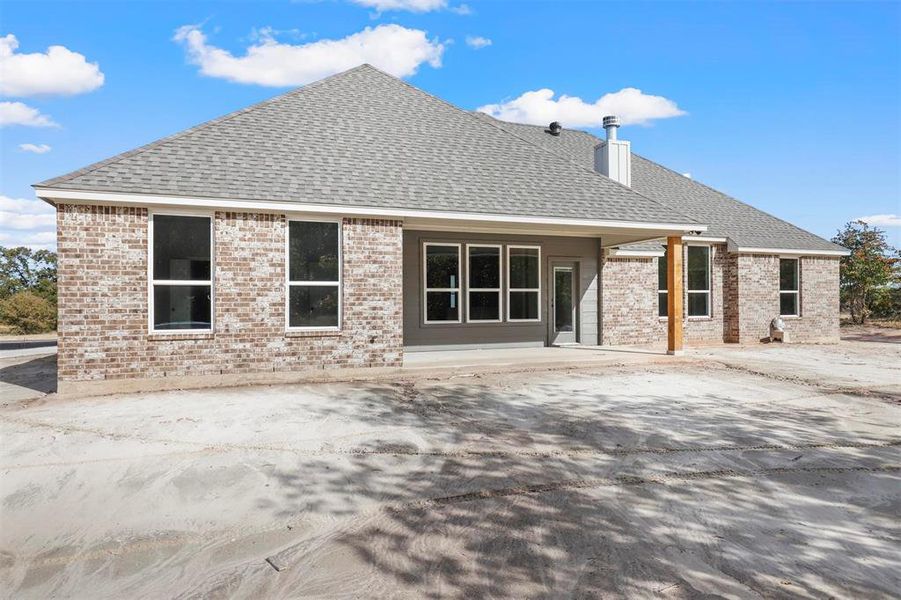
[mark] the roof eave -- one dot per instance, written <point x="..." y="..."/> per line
<point x="733" y="247"/>
<point x="72" y="196"/>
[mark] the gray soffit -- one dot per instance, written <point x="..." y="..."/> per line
<point x="363" y="138"/>
<point x="725" y="216"/>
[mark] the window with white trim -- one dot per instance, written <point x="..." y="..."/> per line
<point x="181" y="295"/>
<point x="314" y="275"/>
<point x="789" y="288"/>
<point x="698" y="283"/>
<point x="662" y="290"/>
<point x="483" y="286"/>
<point x="524" y="283"/>
<point x="441" y="266"/>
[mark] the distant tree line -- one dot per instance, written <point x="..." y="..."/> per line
<point x="27" y="290"/>
<point x="871" y="275"/>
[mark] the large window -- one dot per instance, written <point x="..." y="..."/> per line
<point x="442" y="283"/>
<point x="698" y="281"/>
<point x="181" y="273"/>
<point x="788" y="287"/>
<point x="524" y="277"/>
<point x="662" y="295"/>
<point x="484" y="284"/>
<point x="314" y="275"/>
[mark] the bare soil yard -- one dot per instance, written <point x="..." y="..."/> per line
<point x="766" y="471"/>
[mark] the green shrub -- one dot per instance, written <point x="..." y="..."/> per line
<point x="26" y="312"/>
<point x="887" y="303"/>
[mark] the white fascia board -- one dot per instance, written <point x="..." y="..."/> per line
<point x="693" y="238"/>
<point x="618" y="252"/>
<point x="89" y="197"/>
<point x="700" y="238"/>
<point x="688" y="240"/>
<point x="786" y="251"/>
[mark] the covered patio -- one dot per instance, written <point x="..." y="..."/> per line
<point x="493" y="285"/>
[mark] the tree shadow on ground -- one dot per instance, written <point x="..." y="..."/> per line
<point x="36" y="374"/>
<point x="569" y="491"/>
<point x="871" y="334"/>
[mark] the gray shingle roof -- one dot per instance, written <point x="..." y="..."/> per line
<point x="725" y="216"/>
<point x="364" y="138"/>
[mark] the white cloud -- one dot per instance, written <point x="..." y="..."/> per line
<point x="40" y="239"/>
<point x="21" y="214"/>
<point x="392" y="48"/>
<point x="59" y="71"/>
<point x="478" y="42"/>
<point x="539" y="107"/>
<point x="17" y="113"/>
<point x="419" y="6"/>
<point x="881" y="220"/>
<point x="36" y="148"/>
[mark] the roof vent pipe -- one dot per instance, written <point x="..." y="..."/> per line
<point x="611" y="124"/>
<point x="613" y="157"/>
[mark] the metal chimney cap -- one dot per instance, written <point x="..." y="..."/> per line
<point x="611" y="121"/>
<point x="554" y="128"/>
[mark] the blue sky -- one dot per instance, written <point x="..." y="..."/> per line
<point x="794" y="108"/>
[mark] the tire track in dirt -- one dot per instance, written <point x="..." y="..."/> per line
<point x="631" y="480"/>
<point x="408" y="451"/>
<point x="402" y="450"/>
<point x="344" y="523"/>
<point x="825" y="390"/>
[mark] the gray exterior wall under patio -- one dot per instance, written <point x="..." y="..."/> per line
<point x="581" y="250"/>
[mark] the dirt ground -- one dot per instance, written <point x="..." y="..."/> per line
<point x="764" y="471"/>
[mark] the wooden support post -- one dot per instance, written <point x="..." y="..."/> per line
<point x="674" y="294"/>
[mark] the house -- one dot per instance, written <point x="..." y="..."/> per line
<point x="358" y="218"/>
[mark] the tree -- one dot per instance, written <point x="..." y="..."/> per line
<point x="26" y="312"/>
<point x="867" y="271"/>
<point x="22" y="268"/>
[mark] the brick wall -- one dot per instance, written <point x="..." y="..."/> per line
<point x="758" y="292"/>
<point x="629" y="301"/>
<point x="730" y="298"/>
<point x="819" y="321"/>
<point x="103" y="320"/>
<point x="744" y="299"/>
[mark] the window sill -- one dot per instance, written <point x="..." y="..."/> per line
<point x="159" y="336"/>
<point x="453" y="324"/>
<point x="665" y="319"/>
<point x="790" y="317"/>
<point x="313" y="333"/>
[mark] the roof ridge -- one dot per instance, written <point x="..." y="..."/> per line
<point x="185" y="132"/>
